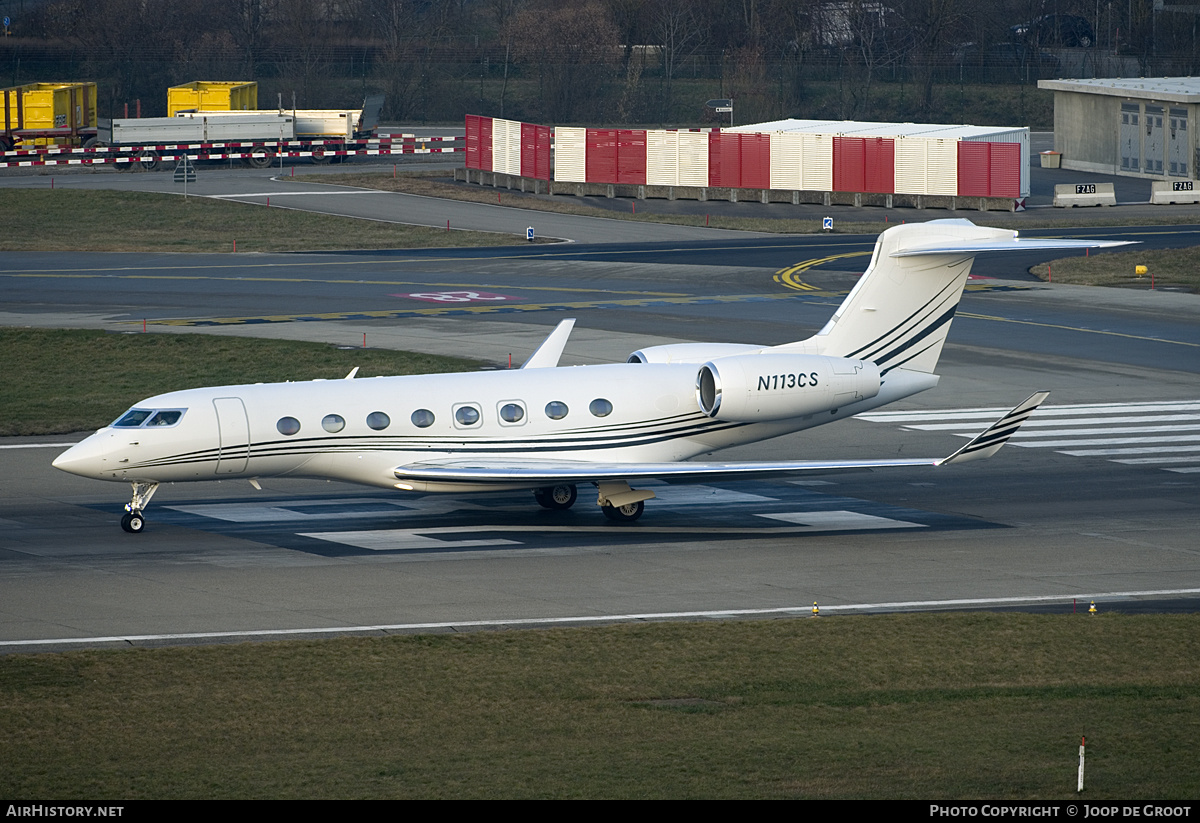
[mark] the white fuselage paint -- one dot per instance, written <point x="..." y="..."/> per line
<point x="655" y="418"/>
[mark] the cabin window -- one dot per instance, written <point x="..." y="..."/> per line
<point x="422" y="418"/>
<point x="288" y="425"/>
<point x="512" y="412"/>
<point x="466" y="415"/>
<point x="378" y="421"/>
<point x="333" y="423"/>
<point x="556" y="410"/>
<point x="600" y="407"/>
<point x="166" y="418"/>
<point x="133" y="418"/>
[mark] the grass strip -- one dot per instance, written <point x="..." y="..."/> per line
<point x="948" y="706"/>
<point x="1176" y="269"/>
<point x="75" y="220"/>
<point x="440" y="184"/>
<point x="59" y="381"/>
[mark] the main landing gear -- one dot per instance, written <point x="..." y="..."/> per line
<point x="618" y="502"/>
<point x="133" y="521"/>
<point x="624" y="514"/>
<point x="562" y="496"/>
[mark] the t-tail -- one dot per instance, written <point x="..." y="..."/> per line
<point x="899" y="313"/>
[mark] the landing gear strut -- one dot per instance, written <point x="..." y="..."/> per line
<point x="133" y="521"/>
<point x="561" y="496"/>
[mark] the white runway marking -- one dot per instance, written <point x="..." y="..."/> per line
<point x="288" y="194"/>
<point x="63" y="446"/>
<point x="714" y="614"/>
<point x="1033" y="424"/>
<point x="284" y="511"/>
<point x="397" y="539"/>
<point x="430" y="538"/>
<point x="987" y="415"/>
<point x="702" y="495"/>
<point x="1114" y="429"/>
<point x="348" y="508"/>
<point x="826" y="521"/>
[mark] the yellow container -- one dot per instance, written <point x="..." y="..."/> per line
<point x="212" y="95"/>
<point x="51" y="105"/>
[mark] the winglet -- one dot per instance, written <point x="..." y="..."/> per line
<point x="996" y="435"/>
<point x="547" y="354"/>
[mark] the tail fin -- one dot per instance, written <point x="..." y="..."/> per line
<point x="899" y="313"/>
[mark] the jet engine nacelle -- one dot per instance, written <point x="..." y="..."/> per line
<point x="690" y="352"/>
<point x="757" y="387"/>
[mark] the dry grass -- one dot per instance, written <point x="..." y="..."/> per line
<point x="957" y="706"/>
<point x="1166" y="268"/>
<point x="37" y="220"/>
<point x="439" y="184"/>
<point x="69" y="381"/>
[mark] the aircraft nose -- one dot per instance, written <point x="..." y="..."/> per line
<point x="85" y="458"/>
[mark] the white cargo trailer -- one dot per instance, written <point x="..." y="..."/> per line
<point x="201" y="127"/>
<point x="311" y="124"/>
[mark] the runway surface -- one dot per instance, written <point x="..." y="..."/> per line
<point x="1097" y="498"/>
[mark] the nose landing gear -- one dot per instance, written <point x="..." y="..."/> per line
<point x="133" y="521"/>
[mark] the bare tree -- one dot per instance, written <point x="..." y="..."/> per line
<point x="929" y="26"/>
<point x="304" y="49"/>
<point x="679" y="32"/>
<point x="574" y="49"/>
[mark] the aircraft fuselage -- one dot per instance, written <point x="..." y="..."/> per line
<point x="360" y="430"/>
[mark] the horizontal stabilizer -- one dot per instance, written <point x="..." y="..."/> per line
<point x="1014" y="243"/>
<point x="996" y="435"/>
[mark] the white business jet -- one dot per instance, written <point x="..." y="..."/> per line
<point x="550" y="429"/>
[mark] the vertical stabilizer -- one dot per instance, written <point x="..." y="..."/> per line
<point x="899" y="313"/>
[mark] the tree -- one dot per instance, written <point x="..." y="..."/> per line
<point x="574" y="50"/>
<point x="679" y="33"/>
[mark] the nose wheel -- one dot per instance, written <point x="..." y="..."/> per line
<point x="133" y="521"/>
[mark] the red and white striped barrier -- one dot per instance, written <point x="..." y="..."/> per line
<point x="150" y="154"/>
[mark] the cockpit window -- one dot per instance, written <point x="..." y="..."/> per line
<point x="133" y="418"/>
<point x="165" y="418"/>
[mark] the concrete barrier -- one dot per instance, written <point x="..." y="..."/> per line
<point x="1174" y="191"/>
<point x="1084" y="194"/>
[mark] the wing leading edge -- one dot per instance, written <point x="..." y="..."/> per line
<point x="548" y="472"/>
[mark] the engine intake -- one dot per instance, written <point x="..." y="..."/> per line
<point x="749" y="388"/>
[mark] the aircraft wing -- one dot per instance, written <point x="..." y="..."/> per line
<point x="549" y="472"/>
